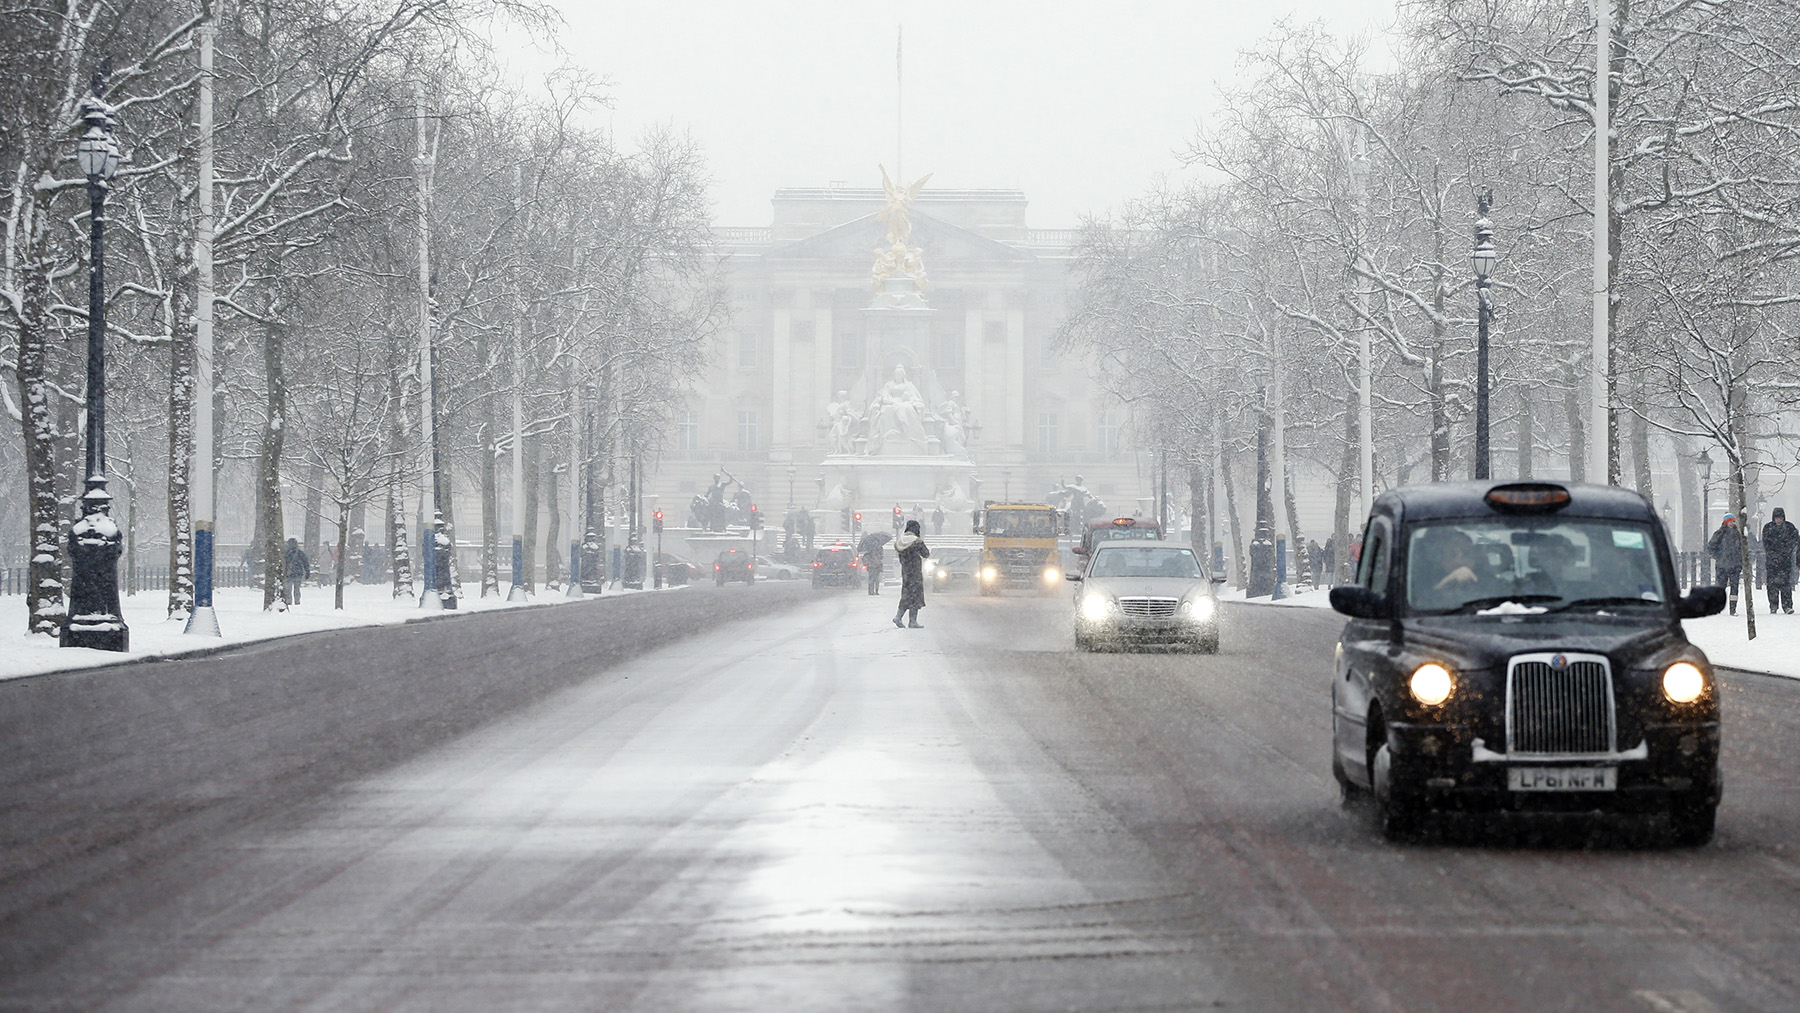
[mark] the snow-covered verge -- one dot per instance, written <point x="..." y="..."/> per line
<point x="1775" y="651"/>
<point x="241" y="620"/>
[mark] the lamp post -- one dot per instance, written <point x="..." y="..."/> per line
<point x="1483" y="261"/>
<point x="790" y="488"/>
<point x="94" y="542"/>
<point x="1006" y="477"/>
<point x="1705" y="462"/>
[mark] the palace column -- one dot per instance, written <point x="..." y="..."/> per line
<point x="1015" y="368"/>
<point x="824" y="349"/>
<point x="779" y="356"/>
<point x="974" y="377"/>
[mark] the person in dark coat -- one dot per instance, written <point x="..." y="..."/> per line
<point x="1781" y="558"/>
<point x="1727" y="548"/>
<point x="298" y="569"/>
<point x="911" y="549"/>
<point x="872" y="559"/>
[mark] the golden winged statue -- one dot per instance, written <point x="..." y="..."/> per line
<point x="897" y="256"/>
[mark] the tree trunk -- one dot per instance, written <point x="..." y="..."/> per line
<point x="359" y="539"/>
<point x="268" y="486"/>
<point x="1296" y="541"/>
<point x="447" y="507"/>
<point x="45" y="610"/>
<point x="490" y="513"/>
<point x="1640" y="439"/>
<point x="1237" y="530"/>
<point x="532" y="447"/>
<point x="315" y="503"/>
<point x="1440" y="416"/>
<point x="399" y="556"/>
<point x="1527" y="437"/>
<point x="1349" y="474"/>
<point x="343" y="554"/>
<point x="1577" y="432"/>
<point x="552" y="522"/>
<point x="183" y="364"/>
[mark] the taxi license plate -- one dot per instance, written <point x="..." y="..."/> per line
<point x="1562" y="778"/>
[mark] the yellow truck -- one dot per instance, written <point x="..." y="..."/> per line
<point x="1019" y="548"/>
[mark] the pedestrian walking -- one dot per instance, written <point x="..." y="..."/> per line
<point x="298" y="569"/>
<point x="1781" y="558"/>
<point x="910" y="547"/>
<point x="872" y="558"/>
<point x="937" y="521"/>
<point x="1727" y="550"/>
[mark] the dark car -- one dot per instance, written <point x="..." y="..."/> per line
<point x="1518" y="647"/>
<point x="677" y="570"/>
<point x="953" y="570"/>
<point x="836" y="566"/>
<point x="734" y="564"/>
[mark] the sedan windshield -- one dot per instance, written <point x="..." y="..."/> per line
<point x="1532" y="564"/>
<point x="1146" y="561"/>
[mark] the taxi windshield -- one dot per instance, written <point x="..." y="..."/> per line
<point x="1501" y="565"/>
<point x="1132" y="561"/>
<point x="1021" y="524"/>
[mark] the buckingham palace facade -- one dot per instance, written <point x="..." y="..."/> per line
<point x="800" y="337"/>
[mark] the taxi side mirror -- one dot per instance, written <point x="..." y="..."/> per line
<point x="1358" y="602"/>
<point x="1701" y="602"/>
<point x="1071" y="576"/>
<point x="1079" y="550"/>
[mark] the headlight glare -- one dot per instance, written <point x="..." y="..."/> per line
<point x="990" y="574"/>
<point x="1095" y="607"/>
<point x="1683" y="682"/>
<point x="1052" y="575"/>
<point x="1431" y="684"/>
<point x="1201" y="608"/>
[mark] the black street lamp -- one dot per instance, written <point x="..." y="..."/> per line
<point x="1483" y="261"/>
<point x="94" y="542"/>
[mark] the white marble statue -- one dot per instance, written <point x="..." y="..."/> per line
<point x="955" y="416"/>
<point x="896" y="418"/>
<point x="840" y="421"/>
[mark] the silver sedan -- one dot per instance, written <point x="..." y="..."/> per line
<point x="1146" y="593"/>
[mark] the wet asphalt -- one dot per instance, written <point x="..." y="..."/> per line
<point x="771" y="799"/>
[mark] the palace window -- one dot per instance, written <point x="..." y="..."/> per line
<point x="746" y="430"/>
<point x="1109" y="432"/>
<point x="687" y="425"/>
<point x="848" y="352"/>
<point x="1047" y="432"/>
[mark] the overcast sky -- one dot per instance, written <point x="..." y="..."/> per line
<point x="1079" y="104"/>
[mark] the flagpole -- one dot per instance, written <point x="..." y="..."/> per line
<point x="899" y="102"/>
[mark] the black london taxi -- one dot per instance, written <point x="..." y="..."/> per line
<point x="1518" y="647"/>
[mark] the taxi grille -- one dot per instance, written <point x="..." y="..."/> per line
<point x="1149" y="608"/>
<point x="1559" y="709"/>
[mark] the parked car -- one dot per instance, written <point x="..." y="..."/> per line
<point x="1518" y="646"/>
<point x="676" y="569"/>
<point x="769" y="569"/>
<point x="836" y="566"/>
<point x="1139" y="593"/>
<point x="734" y="565"/>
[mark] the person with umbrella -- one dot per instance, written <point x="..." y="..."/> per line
<point x="870" y="551"/>
<point x="910" y="547"/>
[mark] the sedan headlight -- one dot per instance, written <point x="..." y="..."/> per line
<point x="1683" y="682"/>
<point x="1431" y="684"/>
<point x="1201" y="608"/>
<point x="1095" y="607"/>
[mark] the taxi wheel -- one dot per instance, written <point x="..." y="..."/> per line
<point x="1399" y="821"/>
<point x="1691" y="825"/>
<point x="1348" y="792"/>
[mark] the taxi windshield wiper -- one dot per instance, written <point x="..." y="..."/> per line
<point x="1476" y="604"/>
<point x="1605" y="600"/>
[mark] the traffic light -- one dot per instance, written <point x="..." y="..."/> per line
<point x="856" y="522"/>
<point x="846" y="513"/>
<point x="656" y="522"/>
<point x="896" y="520"/>
<point x="755" y="518"/>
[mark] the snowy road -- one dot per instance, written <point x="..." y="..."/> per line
<point x="814" y="810"/>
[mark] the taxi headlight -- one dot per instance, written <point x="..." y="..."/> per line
<point x="1683" y="682"/>
<point x="989" y="574"/>
<point x="1052" y="575"/>
<point x="1431" y="684"/>
<point x="1201" y="608"/>
<point x="1095" y="607"/>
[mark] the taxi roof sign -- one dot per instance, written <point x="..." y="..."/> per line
<point x="1124" y="522"/>
<point x="1528" y="497"/>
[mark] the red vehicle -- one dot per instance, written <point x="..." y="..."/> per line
<point x="1117" y="529"/>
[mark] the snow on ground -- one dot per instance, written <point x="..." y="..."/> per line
<point x="241" y="619"/>
<point x="1775" y="651"/>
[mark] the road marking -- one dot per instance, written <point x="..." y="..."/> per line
<point x="1684" y="1000"/>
